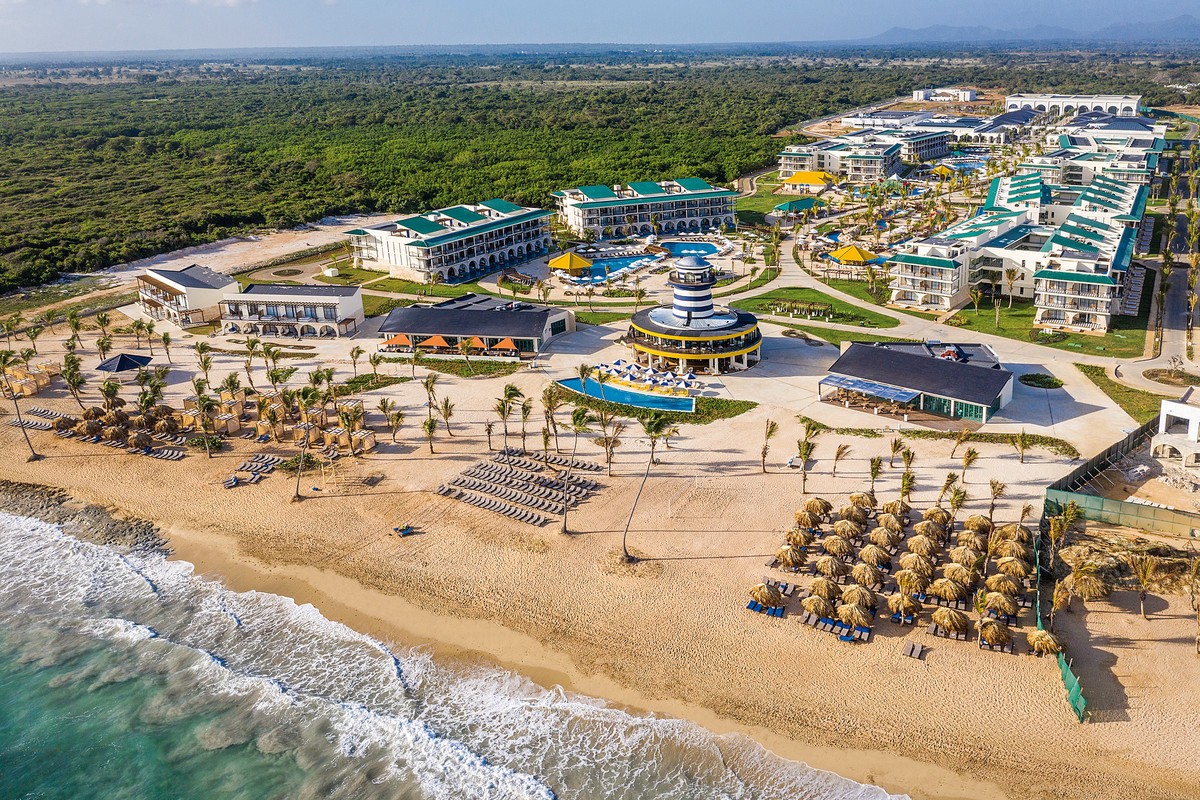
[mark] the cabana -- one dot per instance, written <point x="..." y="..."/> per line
<point x="571" y="263"/>
<point x="853" y="256"/>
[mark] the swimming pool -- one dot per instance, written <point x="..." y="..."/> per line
<point x="680" y="249"/>
<point x="617" y="394"/>
<point x="616" y="268"/>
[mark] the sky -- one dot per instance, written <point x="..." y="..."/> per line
<point x="90" y="25"/>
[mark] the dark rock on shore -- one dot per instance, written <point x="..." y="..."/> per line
<point x="82" y="520"/>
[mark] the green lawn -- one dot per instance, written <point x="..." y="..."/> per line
<point x="402" y="286"/>
<point x="708" y="409"/>
<point x="1137" y="403"/>
<point x="754" y="208"/>
<point x="474" y="368"/>
<point x="1156" y="237"/>
<point x="600" y="317"/>
<point x="836" y="337"/>
<point x="1127" y="339"/>
<point x="374" y="304"/>
<point x="763" y="277"/>
<point x="843" y="312"/>
<point x="351" y="276"/>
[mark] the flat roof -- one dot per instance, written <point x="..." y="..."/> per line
<point x="193" y="276"/>
<point x="978" y="383"/>
<point x="472" y="315"/>
<point x="300" y="290"/>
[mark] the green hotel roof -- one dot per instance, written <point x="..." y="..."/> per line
<point x="453" y="236"/>
<point x="1081" y="233"/>
<point x="501" y="206"/>
<point x="633" y="201"/>
<point x="924" y="261"/>
<point x="1067" y="243"/>
<point x="1088" y="222"/>
<point x="645" y="188"/>
<point x="420" y="225"/>
<point x="597" y="192"/>
<point x="464" y="215"/>
<point x="1073" y="277"/>
<point x="694" y="184"/>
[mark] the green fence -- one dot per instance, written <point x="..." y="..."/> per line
<point x="1075" y="698"/>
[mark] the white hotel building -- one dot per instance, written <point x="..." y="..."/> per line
<point x="858" y="158"/>
<point x="686" y="205"/>
<point x="454" y="244"/>
<point x="1069" y="249"/>
<point x="1121" y="105"/>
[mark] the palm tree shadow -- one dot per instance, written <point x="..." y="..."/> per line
<point x="1092" y="662"/>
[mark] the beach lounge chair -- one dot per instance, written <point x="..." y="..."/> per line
<point x="913" y="650"/>
<point x="230" y="482"/>
<point x="254" y="478"/>
<point x="776" y="612"/>
<point x="846" y="638"/>
<point x="406" y="530"/>
<point x="863" y="634"/>
<point x="753" y="605"/>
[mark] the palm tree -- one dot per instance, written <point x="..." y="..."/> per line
<point x="1020" y="442"/>
<point x="1010" y="278"/>
<point x="446" y="411"/>
<point x="896" y="448"/>
<point x="464" y="349"/>
<point x="429" y="384"/>
<point x="907" y="457"/>
<point x="874" y="470"/>
<point x="102" y="321"/>
<point x="148" y="329"/>
<point x="137" y="328"/>
<point x="997" y="490"/>
<point x="958" y="499"/>
<point x="806" y="447"/>
<point x="843" y="450"/>
<point x="526" y="411"/>
<point x="772" y="428"/>
<point x="488" y="428"/>
<point x="961" y="438"/>
<point x="969" y="457"/>
<point x="976" y="298"/>
<point x="205" y="406"/>
<point x="104" y="346"/>
<point x="552" y="400"/>
<point x="166" y="343"/>
<point x="10" y="327"/>
<point x="1145" y="569"/>
<point x="416" y="358"/>
<point x="356" y="353"/>
<point x="503" y="409"/>
<point x="908" y="482"/>
<point x="430" y="427"/>
<point x="205" y="363"/>
<point x="654" y="425"/>
<point x="581" y="422"/>
<point x="7" y="359"/>
<point x="75" y="383"/>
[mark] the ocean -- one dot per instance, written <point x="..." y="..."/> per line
<point x="127" y="676"/>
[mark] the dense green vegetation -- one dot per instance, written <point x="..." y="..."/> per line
<point x="106" y="172"/>
<point x="1143" y="406"/>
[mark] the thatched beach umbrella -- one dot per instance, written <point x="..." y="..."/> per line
<point x="819" y="506"/>
<point x="832" y="567"/>
<point x="854" y="514"/>
<point x="959" y="573"/>
<point x="769" y="596"/>
<point x="972" y="540"/>
<point x="115" y="433"/>
<point x="874" y="555"/>
<point x="882" y="537"/>
<point x="815" y="604"/>
<point x="852" y="614"/>
<point x="1003" y="584"/>
<point x="1016" y="568"/>
<point x="866" y="575"/>
<point x="897" y="508"/>
<point x="65" y="423"/>
<point x="799" y="537"/>
<point x="890" y="521"/>
<point x="951" y="619"/>
<point x="138" y="420"/>
<point x="1000" y="604"/>
<point x="910" y="582"/>
<point x="1007" y="548"/>
<point x="1085" y="584"/>
<point x="93" y="413"/>
<point x="837" y="546"/>
<point x="1017" y="533"/>
<point x="1044" y="643"/>
<point x="933" y="530"/>
<point x="901" y="603"/>
<point x="965" y="556"/>
<point x="825" y="589"/>
<point x="915" y="562"/>
<point x="921" y="545"/>
<point x="863" y="499"/>
<point x="115" y="417"/>
<point x="978" y="523"/>
<point x="993" y="631"/>
<point x="847" y="528"/>
<point x="167" y="426"/>
<point x="89" y="427"/>
<point x="791" y="557"/>
<point x="860" y="595"/>
<point x="808" y="519"/>
<point x="947" y="589"/>
<point x="141" y="439"/>
<point x="937" y="514"/>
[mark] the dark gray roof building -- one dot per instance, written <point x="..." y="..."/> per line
<point x="472" y="316"/>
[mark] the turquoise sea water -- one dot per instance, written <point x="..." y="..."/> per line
<point x="126" y="676"/>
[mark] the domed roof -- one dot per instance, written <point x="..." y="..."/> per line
<point x="692" y="262"/>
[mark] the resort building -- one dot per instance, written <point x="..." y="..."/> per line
<point x="847" y="156"/>
<point x="958" y="381"/>
<point x="692" y="333"/>
<point x="1178" y="430"/>
<point x="808" y="182"/>
<point x="885" y="119"/>
<point x="1121" y="105"/>
<point x="944" y="95"/>
<point x="1130" y="156"/>
<point x="489" y="325"/>
<point x="915" y="146"/>
<point x="1069" y="249"/>
<point x="686" y="205"/>
<point x="319" y="310"/>
<point x="1006" y="127"/>
<point x="186" y="297"/>
<point x="454" y="244"/>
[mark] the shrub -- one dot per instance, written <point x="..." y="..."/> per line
<point x="215" y="443"/>
<point x="1041" y="380"/>
<point x="1046" y="337"/>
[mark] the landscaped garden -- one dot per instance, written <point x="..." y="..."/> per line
<point x="777" y="300"/>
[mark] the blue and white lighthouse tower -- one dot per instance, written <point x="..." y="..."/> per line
<point x="692" y="283"/>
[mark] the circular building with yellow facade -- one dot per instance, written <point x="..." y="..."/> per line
<point x="692" y="334"/>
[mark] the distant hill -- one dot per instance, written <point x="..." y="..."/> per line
<point x="1182" y="28"/>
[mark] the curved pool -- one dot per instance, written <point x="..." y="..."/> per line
<point x="617" y="394"/>
<point x="681" y="249"/>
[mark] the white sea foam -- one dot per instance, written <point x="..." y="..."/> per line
<point x="368" y="721"/>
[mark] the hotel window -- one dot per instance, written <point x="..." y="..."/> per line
<point x="234" y="309"/>
<point x="329" y="313"/>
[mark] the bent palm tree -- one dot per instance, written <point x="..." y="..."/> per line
<point x="654" y="425"/>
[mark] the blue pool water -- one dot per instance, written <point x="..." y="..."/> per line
<point x="680" y="249"/>
<point x="833" y="236"/>
<point x="617" y="394"/>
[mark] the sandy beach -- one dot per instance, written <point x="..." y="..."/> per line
<point x="671" y="634"/>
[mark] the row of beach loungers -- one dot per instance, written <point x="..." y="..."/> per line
<point x="257" y="465"/>
<point x="494" y="504"/>
<point x="45" y="413"/>
<point x="514" y="477"/>
<point x="164" y="453"/>
<point x="31" y="424"/>
<point x="557" y="460"/>
<point x="844" y="631"/>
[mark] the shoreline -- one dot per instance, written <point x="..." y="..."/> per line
<point x="462" y="639"/>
